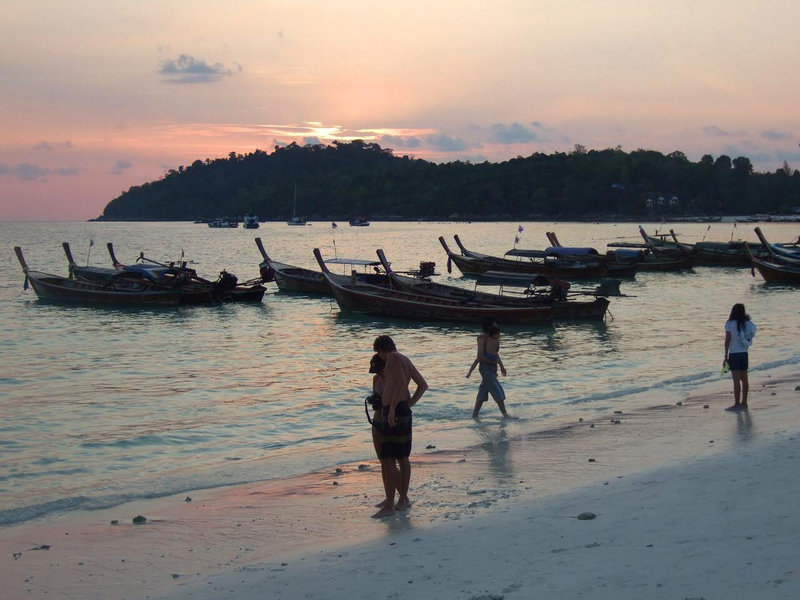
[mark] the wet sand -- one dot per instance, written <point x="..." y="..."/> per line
<point x="678" y="488"/>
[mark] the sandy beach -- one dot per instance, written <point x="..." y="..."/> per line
<point x="689" y="501"/>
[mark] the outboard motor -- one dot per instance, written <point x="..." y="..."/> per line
<point x="427" y="268"/>
<point x="226" y="281"/>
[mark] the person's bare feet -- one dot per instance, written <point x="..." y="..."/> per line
<point x="384" y="512"/>
<point x="404" y="504"/>
<point x="381" y="504"/>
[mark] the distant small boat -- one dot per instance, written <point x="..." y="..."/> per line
<point x="359" y="222"/>
<point x="222" y="224"/>
<point x="250" y="221"/>
<point x="295" y="220"/>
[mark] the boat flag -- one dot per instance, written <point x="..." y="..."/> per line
<point x="520" y="229"/>
<point x="91" y="242"/>
<point x="334" y="225"/>
<point x="516" y="239"/>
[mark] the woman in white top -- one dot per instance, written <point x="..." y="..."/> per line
<point x="739" y="333"/>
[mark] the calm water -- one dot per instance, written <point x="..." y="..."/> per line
<point x="101" y="405"/>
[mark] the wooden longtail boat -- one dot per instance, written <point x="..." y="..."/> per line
<point x="563" y="307"/>
<point x="638" y="259"/>
<point x="193" y="289"/>
<point x="722" y="254"/>
<point x="354" y="295"/>
<point x="773" y="271"/>
<point x="529" y="261"/>
<point x="778" y="252"/>
<point x="225" y="289"/>
<point x="119" y="292"/>
<point x="307" y="281"/>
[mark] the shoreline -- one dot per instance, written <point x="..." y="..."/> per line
<point x="228" y="532"/>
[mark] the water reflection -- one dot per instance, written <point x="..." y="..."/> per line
<point x="493" y="438"/>
<point x="744" y="426"/>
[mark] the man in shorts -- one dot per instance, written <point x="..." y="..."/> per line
<point x="395" y="437"/>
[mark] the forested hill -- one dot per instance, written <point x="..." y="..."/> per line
<point x="358" y="178"/>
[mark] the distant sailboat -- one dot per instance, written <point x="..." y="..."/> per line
<point x="251" y="221"/>
<point x="295" y="220"/>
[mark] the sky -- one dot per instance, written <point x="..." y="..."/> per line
<point x="97" y="96"/>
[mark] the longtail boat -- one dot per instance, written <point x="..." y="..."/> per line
<point x="470" y="262"/>
<point x="773" y="271"/>
<point x="778" y="266"/>
<point x="307" y="281"/>
<point x="355" y="295"/>
<point x="547" y="294"/>
<point x="193" y="289"/>
<point x="226" y="288"/>
<point x="639" y="258"/>
<point x="114" y="292"/>
<point x="787" y="253"/>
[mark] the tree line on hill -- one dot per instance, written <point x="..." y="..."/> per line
<point x="343" y="180"/>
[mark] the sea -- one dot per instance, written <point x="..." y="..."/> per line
<point x="105" y="405"/>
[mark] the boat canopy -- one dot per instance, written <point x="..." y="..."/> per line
<point x="358" y="262"/>
<point x="527" y="253"/>
<point x="570" y="251"/>
<point x="109" y="274"/>
<point x="552" y="251"/>
<point x="502" y="278"/>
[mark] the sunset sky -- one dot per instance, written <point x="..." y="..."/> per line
<point x="99" y="95"/>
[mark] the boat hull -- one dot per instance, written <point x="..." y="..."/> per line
<point x="593" y="310"/>
<point x="470" y="265"/>
<point x="61" y="289"/>
<point x="375" y="300"/>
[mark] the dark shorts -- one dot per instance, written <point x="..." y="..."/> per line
<point x="395" y="442"/>
<point x="737" y="361"/>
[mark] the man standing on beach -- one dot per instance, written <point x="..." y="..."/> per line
<point x="395" y="438"/>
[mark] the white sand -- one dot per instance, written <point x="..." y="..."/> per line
<point x="690" y="502"/>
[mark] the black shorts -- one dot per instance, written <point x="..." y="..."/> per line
<point x="395" y="442"/>
<point x="737" y="361"/>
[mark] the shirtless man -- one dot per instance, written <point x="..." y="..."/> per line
<point x="395" y="439"/>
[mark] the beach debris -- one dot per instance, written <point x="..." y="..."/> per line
<point x="363" y="467"/>
<point x="705" y="405"/>
<point x="334" y="483"/>
<point x="617" y="412"/>
<point x="586" y="516"/>
<point x="679" y="404"/>
<point x="139" y="520"/>
<point x="773" y="394"/>
<point x="592" y="460"/>
<point x="175" y="575"/>
<point x="339" y="471"/>
<point x="580" y="420"/>
<point x="591" y="426"/>
<point x="430" y="447"/>
<point x="487" y="597"/>
<point x="616" y="421"/>
<point x="16" y="555"/>
<point x="797" y="388"/>
<point x="41" y="547"/>
<point x="187" y="499"/>
<point x="115" y="521"/>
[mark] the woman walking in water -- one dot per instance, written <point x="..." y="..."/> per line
<point x="739" y="333"/>
<point x="487" y="361"/>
